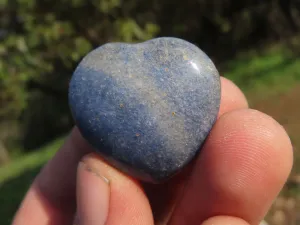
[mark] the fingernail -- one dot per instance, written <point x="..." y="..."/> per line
<point x="86" y="167"/>
<point x="93" y="194"/>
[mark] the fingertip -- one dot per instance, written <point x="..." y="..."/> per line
<point x="128" y="202"/>
<point x="261" y="131"/>
<point x="232" y="98"/>
<point x="250" y="158"/>
<point x="224" y="220"/>
<point x="242" y="167"/>
<point x="93" y="193"/>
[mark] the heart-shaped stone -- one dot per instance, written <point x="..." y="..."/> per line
<point x="148" y="107"/>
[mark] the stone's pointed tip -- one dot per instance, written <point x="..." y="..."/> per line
<point x="146" y="107"/>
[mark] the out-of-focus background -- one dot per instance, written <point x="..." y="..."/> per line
<point x="254" y="43"/>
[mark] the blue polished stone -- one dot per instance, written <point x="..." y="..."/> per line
<point x="148" y="107"/>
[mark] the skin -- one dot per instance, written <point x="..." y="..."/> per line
<point x="241" y="169"/>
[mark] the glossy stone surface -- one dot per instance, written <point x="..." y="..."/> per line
<point x="148" y="107"/>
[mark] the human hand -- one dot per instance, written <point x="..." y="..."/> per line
<point x="242" y="167"/>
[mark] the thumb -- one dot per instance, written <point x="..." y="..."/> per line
<point x="107" y="196"/>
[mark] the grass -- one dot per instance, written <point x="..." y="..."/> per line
<point x="264" y="74"/>
<point x="29" y="161"/>
<point x="269" y="79"/>
<point x="16" y="177"/>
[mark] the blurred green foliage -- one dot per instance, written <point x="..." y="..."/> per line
<point x="41" y="42"/>
<point x="16" y="177"/>
<point x="274" y="71"/>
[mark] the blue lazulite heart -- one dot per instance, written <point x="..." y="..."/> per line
<point x="148" y="107"/>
